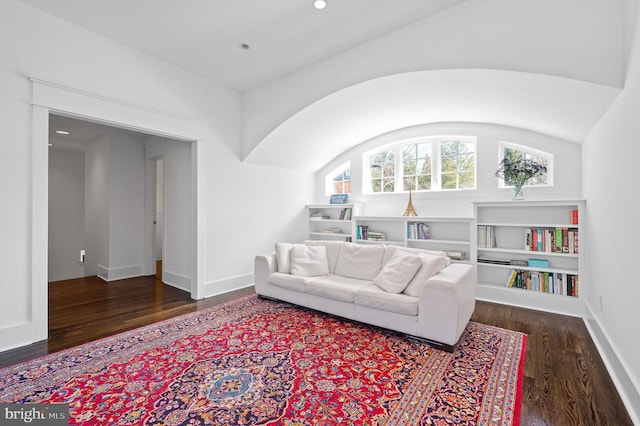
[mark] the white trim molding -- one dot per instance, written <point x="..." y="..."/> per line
<point x="48" y="97"/>
<point x="627" y="387"/>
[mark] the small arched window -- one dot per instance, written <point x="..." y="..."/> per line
<point x="514" y="152"/>
<point x="339" y="180"/>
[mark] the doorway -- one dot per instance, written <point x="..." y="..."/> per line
<point x="54" y="98"/>
<point x="98" y="192"/>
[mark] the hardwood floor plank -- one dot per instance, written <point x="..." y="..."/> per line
<point x="565" y="381"/>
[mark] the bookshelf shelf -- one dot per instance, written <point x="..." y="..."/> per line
<point x="505" y="234"/>
<point x="452" y="234"/>
<point x="329" y="234"/>
<point x="531" y="225"/>
<point x="529" y="253"/>
<point x="529" y="268"/>
<point x="331" y="221"/>
<point x="435" y="241"/>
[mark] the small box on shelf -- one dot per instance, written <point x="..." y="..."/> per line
<point x="538" y="263"/>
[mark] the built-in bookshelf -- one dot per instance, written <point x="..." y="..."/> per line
<point x="451" y="234"/>
<point x="528" y="254"/>
<point x="331" y="221"/>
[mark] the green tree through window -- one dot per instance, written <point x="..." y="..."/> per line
<point x="382" y="171"/>
<point x="416" y="166"/>
<point x="426" y="165"/>
<point x="458" y="164"/>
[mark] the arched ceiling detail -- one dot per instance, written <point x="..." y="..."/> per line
<point x="556" y="106"/>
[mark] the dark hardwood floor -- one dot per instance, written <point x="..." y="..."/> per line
<point x="565" y="380"/>
<point x="86" y="309"/>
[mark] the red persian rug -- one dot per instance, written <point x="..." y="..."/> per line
<point x="259" y="362"/>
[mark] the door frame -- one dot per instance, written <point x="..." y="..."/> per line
<point x="48" y="97"/>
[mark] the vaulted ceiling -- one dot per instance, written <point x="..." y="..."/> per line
<point x="318" y="82"/>
<point x="207" y="36"/>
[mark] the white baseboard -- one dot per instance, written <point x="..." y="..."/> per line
<point x="618" y="370"/>
<point x="113" y="274"/>
<point x="15" y="336"/>
<point x="215" y="288"/>
<point x="176" y="280"/>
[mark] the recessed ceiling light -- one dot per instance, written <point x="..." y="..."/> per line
<point x="62" y="132"/>
<point x="319" y="4"/>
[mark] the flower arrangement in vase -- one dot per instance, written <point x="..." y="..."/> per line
<point x="518" y="171"/>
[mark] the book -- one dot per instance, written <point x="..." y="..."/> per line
<point x="573" y="216"/>
<point x="486" y="236"/>
<point x="493" y="260"/>
<point x="539" y="240"/>
<point x="527" y="239"/>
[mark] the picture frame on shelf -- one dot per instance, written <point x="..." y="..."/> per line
<point x="339" y="199"/>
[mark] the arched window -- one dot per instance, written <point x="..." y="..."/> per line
<point x="339" y="180"/>
<point x="426" y="164"/>
<point x="514" y="152"/>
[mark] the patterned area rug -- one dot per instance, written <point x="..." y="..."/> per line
<point x="258" y="362"/>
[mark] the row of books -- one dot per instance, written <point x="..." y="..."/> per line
<point x="552" y="240"/>
<point x="345" y="214"/>
<point x="418" y="231"/>
<point x="363" y="233"/>
<point x="544" y="282"/>
<point x="486" y="236"/>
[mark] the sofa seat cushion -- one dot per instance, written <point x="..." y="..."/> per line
<point x="290" y="282"/>
<point x="336" y="287"/>
<point x="374" y="297"/>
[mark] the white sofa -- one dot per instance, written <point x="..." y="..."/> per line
<point x="415" y="292"/>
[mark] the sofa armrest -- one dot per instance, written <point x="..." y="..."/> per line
<point x="264" y="266"/>
<point x="447" y="301"/>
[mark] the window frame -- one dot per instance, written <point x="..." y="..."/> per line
<point x="340" y="170"/>
<point x="436" y="163"/>
<point x="531" y="151"/>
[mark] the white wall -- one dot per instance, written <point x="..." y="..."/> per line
<point x="567" y="171"/>
<point x="66" y="214"/>
<point x="231" y="194"/>
<point x="125" y="206"/>
<point x="97" y="159"/>
<point x="178" y="215"/>
<point x="159" y="208"/>
<point x="610" y="175"/>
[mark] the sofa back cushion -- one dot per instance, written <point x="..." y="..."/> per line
<point x="360" y="261"/>
<point x="309" y="261"/>
<point x="333" y="251"/>
<point x="391" y="250"/>
<point x="398" y="272"/>
<point x="431" y="265"/>
<point x="283" y="256"/>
